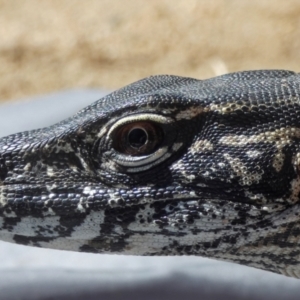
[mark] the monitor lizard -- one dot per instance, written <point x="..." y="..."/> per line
<point x="165" y="166"/>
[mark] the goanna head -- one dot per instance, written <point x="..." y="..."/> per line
<point x="165" y="166"/>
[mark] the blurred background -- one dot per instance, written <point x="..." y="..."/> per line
<point x="52" y="45"/>
<point x="84" y="49"/>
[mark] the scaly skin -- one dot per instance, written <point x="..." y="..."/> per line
<point x="219" y="176"/>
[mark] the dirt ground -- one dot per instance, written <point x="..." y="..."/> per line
<point x="51" y="45"/>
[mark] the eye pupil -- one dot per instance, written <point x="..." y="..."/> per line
<point x="137" y="137"/>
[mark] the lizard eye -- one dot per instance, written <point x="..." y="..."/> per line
<point x="138" y="142"/>
<point x="137" y="138"/>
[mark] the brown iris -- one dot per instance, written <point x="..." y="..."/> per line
<point x="137" y="138"/>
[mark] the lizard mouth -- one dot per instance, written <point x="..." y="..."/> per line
<point x="181" y="208"/>
<point x="46" y="199"/>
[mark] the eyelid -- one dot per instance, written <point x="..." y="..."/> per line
<point x="127" y="161"/>
<point x="136" y="118"/>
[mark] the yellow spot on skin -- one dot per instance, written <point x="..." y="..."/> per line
<point x="295" y="190"/>
<point x="201" y="146"/>
<point x="27" y="167"/>
<point x="295" y="184"/>
<point x="278" y="161"/>
<point x="189" y="113"/>
<point x="241" y="170"/>
<point x="280" y="137"/>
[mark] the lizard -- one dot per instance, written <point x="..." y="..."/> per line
<point x="167" y="165"/>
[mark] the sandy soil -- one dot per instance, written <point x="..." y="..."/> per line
<point x="57" y="44"/>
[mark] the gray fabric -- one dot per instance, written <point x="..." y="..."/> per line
<point x="31" y="273"/>
<point x="45" y="110"/>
